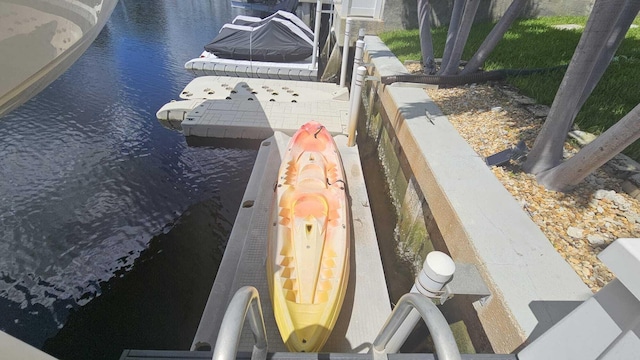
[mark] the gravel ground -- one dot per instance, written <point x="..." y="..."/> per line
<point x="579" y="223"/>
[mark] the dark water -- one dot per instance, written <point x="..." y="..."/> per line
<point x="111" y="227"/>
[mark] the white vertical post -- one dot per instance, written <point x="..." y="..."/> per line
<point x="357" y="61"/>
<point x="345" y="53"/>
<point x="356" y="99"/>
<point x="316" y="34"/>
<point x="378" y="9"/>
<point x="346" y="7"/>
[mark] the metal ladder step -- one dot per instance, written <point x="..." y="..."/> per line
<point x="246" y="302"/>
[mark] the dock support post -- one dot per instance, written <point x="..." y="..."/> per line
<point x="345" y="53"/>
<point x="356" y="100"/>
<point x="357" y="61"/>
<point x="316" y="34"/>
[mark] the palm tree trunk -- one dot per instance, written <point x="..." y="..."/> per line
<point x="454" y="24"/>
<point x="625" y="20"/>
<point x="594" y="155"/>
<point x="496" y="34"/>
<point x="547" y="149"/>
<point x="462" y="35"/>
<point x="426" y="43"/>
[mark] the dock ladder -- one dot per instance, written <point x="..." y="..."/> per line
<point x="246" y="301"/>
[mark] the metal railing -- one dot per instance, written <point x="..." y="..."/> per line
<point x="246" y="300"/>
<point x="445" y="344"/>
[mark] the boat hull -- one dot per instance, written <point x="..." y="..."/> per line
<point x="308" y="247"/>
<point x="45" y="39"/>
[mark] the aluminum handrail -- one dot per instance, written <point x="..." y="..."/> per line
<point x="246" y="299"/>
<point x="445" y="344"/>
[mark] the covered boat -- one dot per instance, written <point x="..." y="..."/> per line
<point x="308" y="246"/>
<point x="242" y="48"/>
<point x="281" y="37"/>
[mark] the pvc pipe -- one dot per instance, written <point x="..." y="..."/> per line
<point x="345" y="53"/>
<point x="356" y="99"/>
<point x="438" y="268"/>
<point x="361" y="33"/>
<point x="316" y="34"/>
<point x="357" y="61"/>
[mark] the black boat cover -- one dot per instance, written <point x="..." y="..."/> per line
<point x="284" y="15"/>
<point x="276" y="39"/>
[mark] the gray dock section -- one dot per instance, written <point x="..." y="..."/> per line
<point x="366" y="305"/>
<point x="256" y="108"/>
<point x="254" y="69"/>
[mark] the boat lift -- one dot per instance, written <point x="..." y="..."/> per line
<point x="305" y="70"/>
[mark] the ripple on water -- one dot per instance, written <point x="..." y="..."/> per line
<point x="89" y="178"/>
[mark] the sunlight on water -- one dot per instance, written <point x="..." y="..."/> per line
<point x="89" y="176"/>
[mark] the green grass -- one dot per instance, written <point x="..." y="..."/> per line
<point x="534" y="43"/>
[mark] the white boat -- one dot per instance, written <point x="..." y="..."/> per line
<point x="45" y="38"/>
<point x="277" y="47"/>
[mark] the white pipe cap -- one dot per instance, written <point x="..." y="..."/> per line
<point x="438" y="268"/>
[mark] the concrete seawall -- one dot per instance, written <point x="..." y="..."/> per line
<point x="439" y="182"/>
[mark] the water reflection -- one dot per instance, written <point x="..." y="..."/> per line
<point x="89" y="177"/>
<point x="166" y="279"/>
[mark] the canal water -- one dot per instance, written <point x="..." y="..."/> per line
<point x="111" y="227"/>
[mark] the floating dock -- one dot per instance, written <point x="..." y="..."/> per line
<point x="209" y="64"/>
<point x="366" y="306"/>
<point x="273" y="110"/>
<point x="248" y="108"/>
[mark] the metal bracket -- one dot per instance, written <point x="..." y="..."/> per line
<point x="517" y="153"/>
<point x="466" y="281"/>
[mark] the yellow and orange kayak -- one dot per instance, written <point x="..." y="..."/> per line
<point x="308" y="247"/>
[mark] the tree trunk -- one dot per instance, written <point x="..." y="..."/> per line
<point x="496" y="34"/>
<point x="594" y="155"/>
<point x="548" y="147"/>
<point x="454" y="24"/>
<point x="461" y="37"/>
<point x="426" y="44"/>
<point x="625" y="20"/>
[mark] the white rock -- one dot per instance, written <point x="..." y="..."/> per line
<point x="621" y="202"/>
<point x="567" y="27"/>
<point x="633" y="217"/>
<point x="595" y="239"/>
<point x="600" y="209"/>
<point x="496" y="109"/>
<point x="604" y="194"/>
<point x="575" y="232"/>
<point x="583" y="138"/>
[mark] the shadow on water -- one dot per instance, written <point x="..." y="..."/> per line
<point x="157" y="303"/>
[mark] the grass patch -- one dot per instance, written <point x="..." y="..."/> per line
<point x="534" y="43"/>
